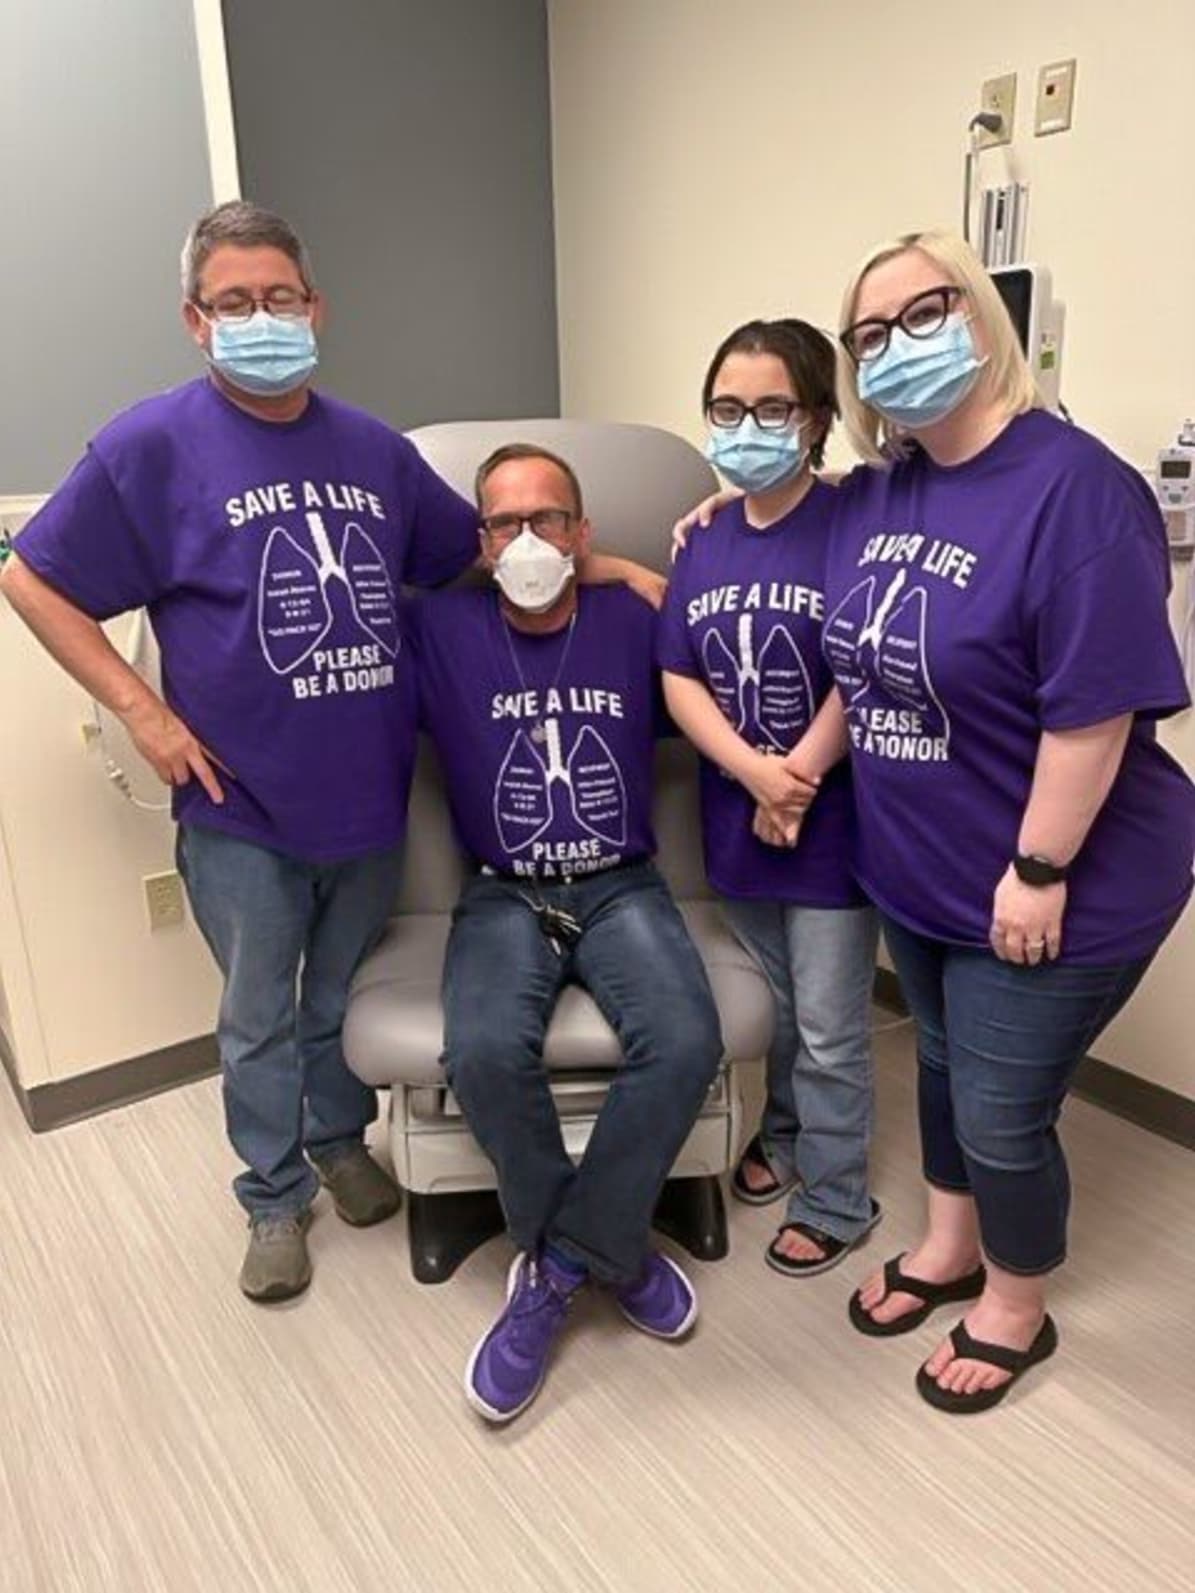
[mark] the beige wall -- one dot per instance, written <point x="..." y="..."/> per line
<point x="715" y="162"/>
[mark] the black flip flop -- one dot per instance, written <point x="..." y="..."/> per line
<point x="833" y="1249"/>
<point x="932" y="1295"/>
<point x="742" y="1190"/>
<point x="968" y="1349"/>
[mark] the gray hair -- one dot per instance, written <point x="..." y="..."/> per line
<point x="246" y="225"/>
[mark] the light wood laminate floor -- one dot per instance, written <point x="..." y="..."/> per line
<point x="157" y="1432"/>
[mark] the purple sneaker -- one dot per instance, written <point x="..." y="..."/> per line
<point x="507" y="1368"/>
<point x="661" y="1300"/>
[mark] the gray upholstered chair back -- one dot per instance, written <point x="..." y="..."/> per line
<point x="636" y="481"/>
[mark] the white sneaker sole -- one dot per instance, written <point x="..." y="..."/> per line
<point x="685" y="1326"/>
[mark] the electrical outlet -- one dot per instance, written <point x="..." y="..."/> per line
<point x="164" y="899"/>
<point x="1055" y="98"/>
<point x="998" y="94"/>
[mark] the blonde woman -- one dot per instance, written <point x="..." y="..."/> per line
<point x="996" y="623"/>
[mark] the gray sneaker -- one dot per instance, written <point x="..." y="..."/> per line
<point x="276" y="1265"/>
<point x="362" y="1192"/>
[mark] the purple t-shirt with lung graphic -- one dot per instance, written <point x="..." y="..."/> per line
<point x="744" y="615"/>
<point x="971" y="608"/>
<point x="546" y="742"/>
<point x="269" y="558"/>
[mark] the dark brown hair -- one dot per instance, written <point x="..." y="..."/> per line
<point x="808" y="357"/>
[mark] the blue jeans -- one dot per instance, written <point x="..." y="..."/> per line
<point x="820" y="965"/>
<point x="501" y="981"/>
<point x="997" y="1044"/>
<point x="287" y="937"/>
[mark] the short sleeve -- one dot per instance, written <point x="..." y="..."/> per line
<point x="1102" y="639"/>
<point x="85" y="546"/>
<point x="674" y="645"/>
<point x="444" y="541"/>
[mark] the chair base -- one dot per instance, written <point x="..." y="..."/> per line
<point x="445" y="1230"/>
<point x="692" y="1211"/>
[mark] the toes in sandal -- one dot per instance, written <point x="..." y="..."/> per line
<point x="932" y="1295"/>
<point x="1008" y="1360"/>
<point x="766" y="1193"/>
<point x="833" y="1249"/>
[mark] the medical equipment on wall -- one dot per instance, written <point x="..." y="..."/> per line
<point x="1039" y="319"/>
<point x="116" y="748"/>
<point x="1003" y="222"/>
<point x="1174" y="483"/>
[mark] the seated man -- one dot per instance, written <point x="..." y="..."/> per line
<point x="542" y="700"/>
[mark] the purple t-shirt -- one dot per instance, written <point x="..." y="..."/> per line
<point x="744" y="615"/>
<point x="269" y="558"/>
<point x="969" y="609"/>
<point x="546" y="742"/>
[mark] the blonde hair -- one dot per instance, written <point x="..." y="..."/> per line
<point x="1008" y="379"/>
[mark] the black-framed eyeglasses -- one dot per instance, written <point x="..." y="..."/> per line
<point x="769" y="414"/>
<point x="289" y="304"/>
<point x="920" y="317"/>
<point x="544" y="523"/>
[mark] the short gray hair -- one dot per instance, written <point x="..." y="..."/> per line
<point x="248" y="226"/>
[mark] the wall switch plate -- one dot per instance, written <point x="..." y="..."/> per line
<point x="164" y="899"/>
<point x="998" y="94"/>
<point x="1055" y="98"/>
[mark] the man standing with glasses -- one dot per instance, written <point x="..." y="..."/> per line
<point x="267" y="528"/>
<point x="544" y="703"/>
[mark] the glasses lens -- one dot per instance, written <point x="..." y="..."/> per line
<point x="550" y="522"/>
<point x="867" y="341"/>
<point x="726" y="413"/>
<point x="232" y="307"/>
<point x="502" y="525"/>
<point x="926" y="314"/>
<point x="287" y="303"/>
<point x="774" y="414"/>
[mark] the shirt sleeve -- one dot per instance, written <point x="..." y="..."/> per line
<point x="85" y="546"/>
<point x="1101" y="638"/>
<point x="674" y="644"/>
<point x="444" y="541"/>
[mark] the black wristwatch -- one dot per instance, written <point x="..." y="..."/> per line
<point x="1038" y="870"/>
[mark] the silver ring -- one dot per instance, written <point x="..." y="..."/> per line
<point x="1035" y="945"/>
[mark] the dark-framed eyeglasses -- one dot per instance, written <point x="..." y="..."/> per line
<point x="545" y="523"/>
<point x="769" y="414"/>
<point x="288" y="304"/>
<point x="920" y="317"/>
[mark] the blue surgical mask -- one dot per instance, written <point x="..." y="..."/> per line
<point x="268" y="354"/>
<point x="919" y="380"/>
<point x="754" y="459"/>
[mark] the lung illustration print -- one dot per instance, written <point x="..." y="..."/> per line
<point x="877" y="650"/>
<point x="527" y="788"/>
<point x="768" y="699"/>
<point x="295" y="606"/>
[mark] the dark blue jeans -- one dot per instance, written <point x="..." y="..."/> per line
<point x="997" y="1045"/>
<point x="287" y="936"/>
<point x="501" y="981"/>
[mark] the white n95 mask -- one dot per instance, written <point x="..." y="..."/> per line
<point x="532" y="573"/>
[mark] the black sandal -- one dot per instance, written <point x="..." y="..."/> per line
<point x="968" y="1349"/>
<point x="833" y="1249"/>
<point x="764" y="1196"/>
<point x="933" y="1295"/>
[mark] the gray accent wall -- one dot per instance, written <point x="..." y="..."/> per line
<point x="409" y="141"/>
<point x="103" y="165"/>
